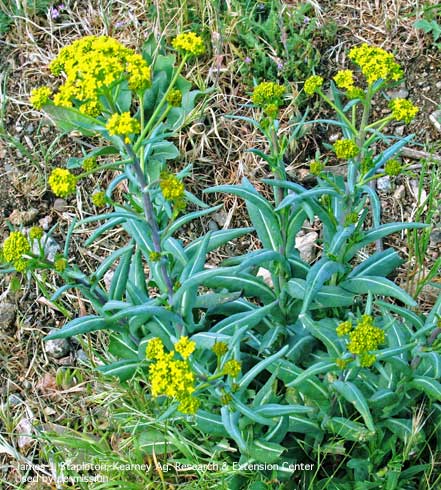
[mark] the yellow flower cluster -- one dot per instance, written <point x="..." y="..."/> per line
<point x="36" y="233"/>
<point x="99" y="199"/>
<point x="174" y="97"/>
<point x="93" y="64"/>
<point x="344" y="328"/>
<point x="267" y="93"/>
<point x="172" y="188"/>
<point x="62" y="182"/>
<point x="393" y="168"/>
<point x="40" y="97"/>
<point x="403" y="110"/>
<point x="316" y="167"/>
<point x="171" y="377"/>
<point x="312" y="84"/>
<point x="346" y="149"/>
<point x="220" y="348"/>
<point x="14" y="247"/>
<point x="232" y="368"/>
<point x="60" y="264"/>
<point x="123" y="125"/>
<point x="344" y="79"/>
<point x="89" y="164"/>
<point x="189" y="43"/>
<point x="376" y="63"/>
<point x="185" y="347"/>
<point x="365" y="337"/>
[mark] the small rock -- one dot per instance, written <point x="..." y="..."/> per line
<point x="435" y="236"/>
<point x="7" y="315"/>
<point x="401" y="93"/>
<point x="266" y="276"/>
<point x="14" y="400"/>
<point x="108" y="276"/>
<point x="45" y="222"/>
<point x="334" y="137"/>
<point x="435" y="119"/>
<point x="29" y="128"/>
<point x="399" y="131"/>
<point x="220" y="218"/>
<point x="51" y="247"/>
<point x="81" y="356"/>
<point x="19" y="218"/>
<point x="57" y="348"/>
<point x="438" y="85"/>
<point x="212" y="225"/>
<point x="399" y="193"/>
<point x="383" y="183"/>
<point x="59" y="204"/>
<point x="25" y="430"/>
<point x="426" y="89"/>
<point x="305" y="245"/>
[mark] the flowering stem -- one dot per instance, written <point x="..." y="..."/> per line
<point x="338" y="111"/>
<point x="107" y="166"/>
<point x="150" y="217"/>
<point x="159" y="107"/>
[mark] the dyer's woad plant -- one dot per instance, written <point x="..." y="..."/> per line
<point x="325" y="358"/>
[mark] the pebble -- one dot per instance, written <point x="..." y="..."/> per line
<point x="401" y="93"/>
<point x="438" y="85"/>
<point x="435" y="236"/>
<point x="81" y="356"/>
<point x="57" y="348"/>
<point x="212" y="225"/>
<point x="51" y="247"/>
<point x="399" y="131"/>
<point x="399" y="193"/>
<point x="14" y="400"/>
<point x="7" y="315"/>
<point x="19" y="218"/>
<point x="383" y="183"/>
<point x="306" y="246"/>
<point x="24" y="429"/>
<point x="220" y="218"/>
<point x="435" y="119"/>
<point x="59" y="204"/>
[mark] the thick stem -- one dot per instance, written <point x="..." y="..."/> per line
<point x="150" y="217"/>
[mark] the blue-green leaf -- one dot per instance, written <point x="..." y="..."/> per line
<point x="353" y="395"/>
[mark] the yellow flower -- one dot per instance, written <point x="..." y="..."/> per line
<point x="232" y="368"/>
<point x="365" y="337"/>
<point x="355" y="93"/>
<point x="189" y="43"/>
<point x="123" y="125"/>
<point x="351" y="218"/>
<point x="21" y="265"/>
<point x="40" y="97"/>
<point x="92" y="108"/>
<point x="376" y="63"/>
<point x="62" y="182"/>
<point x="89" y="164"/>
<point x="93" y="64"/>
<point x="172" y="188"/>
<point x="393" y="168"/>
<point x="366" y="360"/>
<point x="99" y="199"/>
<point x="342" y="363"/>
<point x="35" y="233"/>
<point x="344" y="79"/>
<point x="171" y="377"/>
<point x="139" y="74"/>
<point x="15" y="246"/>
<point x="346" y="149"/>
<point x="268" y="93"/>
<point x="316" y="167"/>
<point x="312" y="84"/>
<point x="154" y="256"/>
<point x="155" y="349"/>
<point x="403" y="110"/>
<point x="189" y="405"/>
<point x="344" y="328"/>
<point x="174" y="98"/>
<point x="60" y="264"/>
<point x="220" y="348"/>
<point x="185" y="347"/>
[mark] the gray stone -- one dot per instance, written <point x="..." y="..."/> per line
<point x="305" y="245"/>
<point x="7" y="315"/>
<point x="24" y="429"/>
<point x="401" y="93"/>
<point x="383" y="183"/>
<point x="51" y="247"/>
<point x="57" y="348"/>
<point x="81" y="356"/>
<point x="212" y="225"/>
<point x="399" y="131"/>
<point x="60" y="204"/>
<point x="435" y="236"/>
<point x="14" y="400"/>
